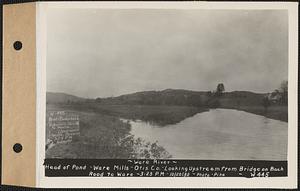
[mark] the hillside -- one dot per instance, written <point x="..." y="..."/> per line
<point x="184" y="97"/>
<point x="170" y="105"/>
<point x="53" y="97"/>
<point x="165" y="97"/>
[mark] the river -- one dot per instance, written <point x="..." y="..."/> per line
<point x="219" y="134"/>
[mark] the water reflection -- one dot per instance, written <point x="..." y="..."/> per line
<point x="220" y="134"/>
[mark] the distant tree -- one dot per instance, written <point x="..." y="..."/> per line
<point x="209" y="93"/>
<point x="266" y="103"/>
<point x="220" y="89"/>
<point x="284" y="86"/>
<point x="98" y="99"/>
<point x="284" y="91"/>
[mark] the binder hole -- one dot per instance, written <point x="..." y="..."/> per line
<point x="17" y="147"/>
<point x="17" y="45"/>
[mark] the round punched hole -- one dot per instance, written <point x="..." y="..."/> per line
<point x="17" y="147"/>
<point x="17" y="45"/>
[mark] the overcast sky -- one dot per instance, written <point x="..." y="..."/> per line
<point x="99" y="53"/>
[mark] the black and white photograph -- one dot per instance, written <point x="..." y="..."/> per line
<point x="193" y="84"/>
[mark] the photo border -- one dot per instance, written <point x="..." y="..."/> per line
<point x="166" y="182"/>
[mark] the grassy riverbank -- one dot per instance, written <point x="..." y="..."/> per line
<point x="252" y="103"/>
<point x="103" y="136"/>
<point x="273" y="112"/>
<point x="249" y="102"/>
<point x="160" y="115"/>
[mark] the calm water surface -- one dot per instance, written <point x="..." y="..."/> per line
<point x="220" y="134"/>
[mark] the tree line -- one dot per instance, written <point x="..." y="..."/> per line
<point x="277" y="97"/>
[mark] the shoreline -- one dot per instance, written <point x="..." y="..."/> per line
<point x="277" y="114"/>
<point x="163" y="115"/>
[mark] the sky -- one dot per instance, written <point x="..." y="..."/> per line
<point x="104" y="52"/>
